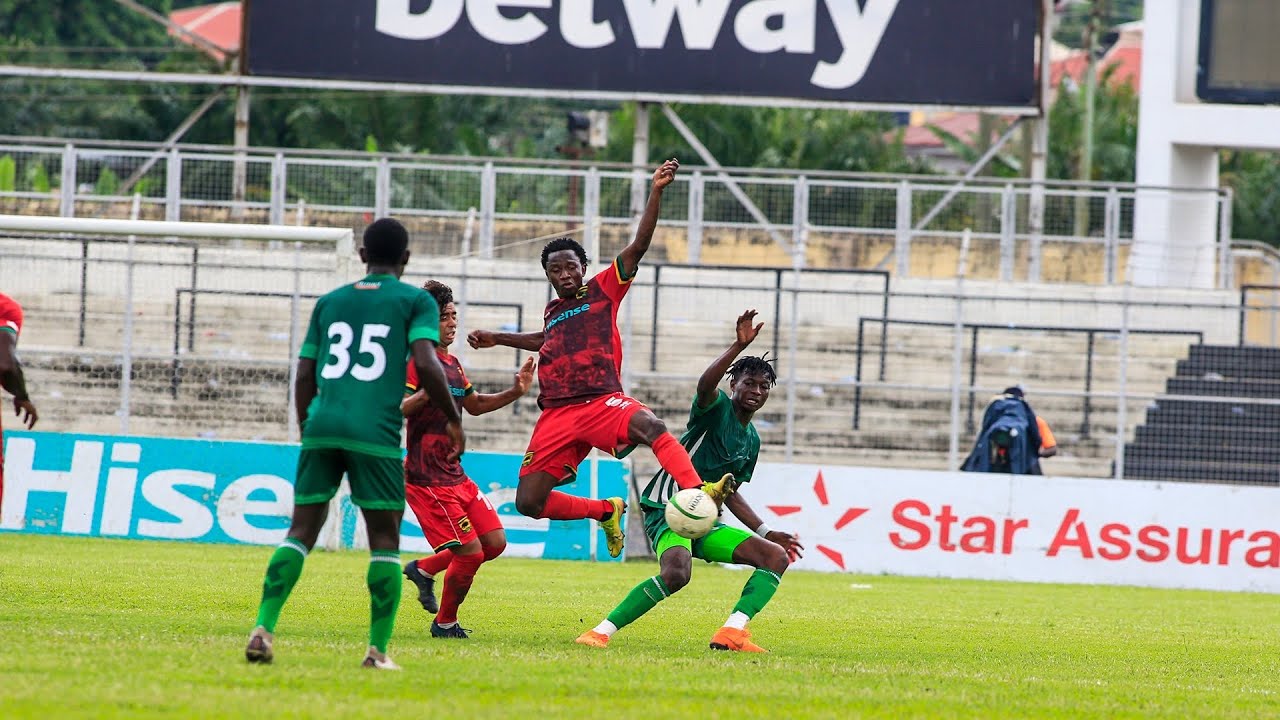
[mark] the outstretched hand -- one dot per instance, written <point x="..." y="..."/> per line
<point x="746" y="333"/>
<point x="664" y="175"/>
<point x="524" y="378"/>
<point x="20" y="406"/>
<point x="790" y="543"/>
<point x="480" y="339"/>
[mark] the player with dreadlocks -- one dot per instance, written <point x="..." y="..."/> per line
<point x="720" y="439"/>
<point x="579" y="371"/>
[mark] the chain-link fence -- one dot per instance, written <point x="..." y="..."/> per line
<point x="190" y="335"/>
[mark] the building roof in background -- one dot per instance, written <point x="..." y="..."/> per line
<point x="218" y="23"/>
<point x="1125" y="55"/>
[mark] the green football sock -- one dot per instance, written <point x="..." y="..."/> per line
<point x="384" y="580"/>
<point x="757" y="592"/>
<point x="282" y="574"/>
<point x="639" y="601"/>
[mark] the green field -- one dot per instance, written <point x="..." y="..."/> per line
<point x="115" y="628"/>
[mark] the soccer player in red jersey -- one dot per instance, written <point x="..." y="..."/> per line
<point x="583" y="406"/>
<point x="456" y="518"/>
<point x="11" y="377"/>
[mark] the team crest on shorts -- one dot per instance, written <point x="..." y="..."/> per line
<point x="528" y="460"/>
<point x="464" y="524"/>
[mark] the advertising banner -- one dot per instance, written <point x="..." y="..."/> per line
<point x="885" y="52"/>
<point x="1028" y="528"/>
<point x="235" y="492"/>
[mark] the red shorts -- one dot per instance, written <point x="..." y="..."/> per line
<point x="563" y="436"/>
<point x="452" y="515"/>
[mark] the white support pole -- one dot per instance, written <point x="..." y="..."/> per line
<point x="957" y="352"/>
<point x="278" y="189"/>
<point x="460" y="298"/>
<point x="639" y="158"/>
<point x="67" y="202"/>
<point x="1111" y="234"/>
<point x="173" y="187"/>
<point x="693" y="238"/>
<point x="240" y="139"/>
<point x="1226" y="269"/>
<point x="591" y="209"/>
<point x="1122" y="384"/>
<point x="488" y="205"/>
<point x="1039" y="165"/>
<point x="799" y="246"/>
<point x="126" y="350"/>
<point x="295" y="305"/>
<point x="902" y="232"/>
<point x="1008" y="236"/>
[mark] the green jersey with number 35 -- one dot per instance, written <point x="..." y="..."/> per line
<point x="359" y="337"/>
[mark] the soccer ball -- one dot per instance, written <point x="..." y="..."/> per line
<point x="691" y="513"/>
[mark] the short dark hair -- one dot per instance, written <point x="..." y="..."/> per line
<point x="564" y="243"/>
<point x="1015" y="390"/>
<point x="442" y="293"/>
<point x="385" y="241"/>
<point x="751" y="365"/>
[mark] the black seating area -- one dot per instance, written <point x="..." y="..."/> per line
<point x="1212" y="440"/>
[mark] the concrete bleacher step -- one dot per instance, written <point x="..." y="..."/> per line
<point x="1175" y="449"/>
<point x="1251" y="388"/>
<point x="1205" y="413"/>
<point x="1210" y="434"/>
<point x="1202" y="471"/>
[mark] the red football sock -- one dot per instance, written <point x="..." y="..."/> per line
<point x="457" y="583"/>
<point x="434" y="564"/>
<point x="563" y="506"/>
<point x="675" y="460"/>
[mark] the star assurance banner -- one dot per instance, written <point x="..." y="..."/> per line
<point x="1023" y="527"/>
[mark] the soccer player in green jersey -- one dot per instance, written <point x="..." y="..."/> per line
<point x="351" y="373"/>
<point x="720" y="438"/>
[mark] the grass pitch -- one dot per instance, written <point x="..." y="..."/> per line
<point x="134" y="629"/>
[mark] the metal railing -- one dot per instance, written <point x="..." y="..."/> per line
<point x="974" y="329"/>
<point x="857" y="221"/>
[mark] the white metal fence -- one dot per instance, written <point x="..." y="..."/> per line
<point x="190" y="330"/>
<point x="1028" y="232"/>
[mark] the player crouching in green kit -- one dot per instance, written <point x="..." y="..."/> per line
<point x="351" y="375"/>
<point x="720" y="439"/>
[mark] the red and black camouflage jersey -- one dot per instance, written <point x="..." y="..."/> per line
<point x="581" y="355"/>
<point x="10" y="322"/>
<point x="427" y="462"/>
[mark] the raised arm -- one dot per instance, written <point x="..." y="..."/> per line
<point x="632" y="253"/>
<point x="710" y="379"/>
<point x="431" y="378"/>
<point x="480" y="339"/>
<point x="481" y="403"/>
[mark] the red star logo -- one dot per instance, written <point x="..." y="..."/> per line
<point x="849" y="515"/>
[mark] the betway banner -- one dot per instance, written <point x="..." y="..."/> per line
<point x="1026" y="528"/>
<point x="229" y="492"/>
<point x="874" y="52"/>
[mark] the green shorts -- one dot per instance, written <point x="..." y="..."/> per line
<point x="716" y="546"/>
<point x="377" y="483"/>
